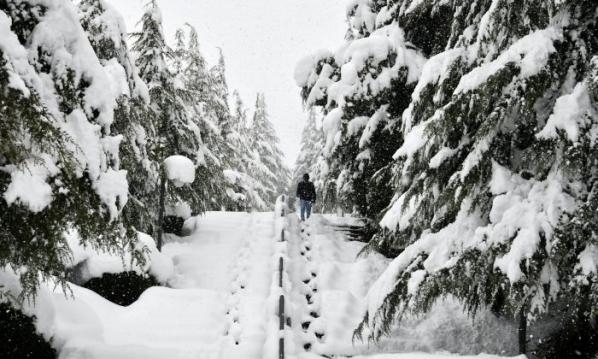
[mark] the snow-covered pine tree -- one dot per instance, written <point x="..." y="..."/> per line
<point x="268" y="169"/>
<point x="311" y="161"/>
<point x="245" y="189"/>
<point x="205" y="111"/>
<point x="495" y="181"/>
<point x="363" y="88"/>
<point x="308" y="151"/>
<point x="59" y="156"/>
<point x="226" y="148"/>
<point x="132" y="119"/>
<point x="218" y="96"/>
<point x="177" y="134"/>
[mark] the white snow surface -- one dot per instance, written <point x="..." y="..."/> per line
<point x="571" y="111"/>
<point x="530" y="53"/>
<point x="28" y="185"/>
<point x="223" y="295"/>
<point x="180" y="170"/>
<point x="94" y="263"/>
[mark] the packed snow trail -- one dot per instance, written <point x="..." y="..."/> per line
<point x="215" y="309"/>
<point x="329" y="284"/>
<point x="234" y="258"/>
<point x="223" y="300"/>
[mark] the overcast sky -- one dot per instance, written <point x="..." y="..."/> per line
<point x="262" y="40"/>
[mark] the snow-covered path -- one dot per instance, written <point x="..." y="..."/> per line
<point x="230" y="253"/>
<point x="223" y="299"/>
<point x="215" y="308"/>
<point x="329" y="284"/>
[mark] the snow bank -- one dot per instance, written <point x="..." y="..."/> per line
<point x="343" y="285"/>
<point x="432" y="356"/>
<point x="157" y="264"/>
<point x="94" y="263"/>
<point x="180" y="209"/>
<point x="180" y="170"/>
<point x="163" y="323"/>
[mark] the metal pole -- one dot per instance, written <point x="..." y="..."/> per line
<point x="281" y="312"/>
<point x="280" y="267"/>
<point x="281" y="315"/>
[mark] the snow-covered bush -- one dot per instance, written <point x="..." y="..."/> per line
<point x="88" y="262"/>
<point x="19" y="338"/>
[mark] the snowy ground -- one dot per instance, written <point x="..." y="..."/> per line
<point x="223" y="301"/>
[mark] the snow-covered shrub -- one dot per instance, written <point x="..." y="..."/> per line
<point x="122" y="288"/>
<point x="19" y="338"/>
<point x="88" y="262"/>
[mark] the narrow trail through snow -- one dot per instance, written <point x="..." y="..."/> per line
<point x="216" y="306"/>
<point x="223" y="297"/>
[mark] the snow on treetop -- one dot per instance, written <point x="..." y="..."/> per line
<point x="304" y="68"/>
<point x="180" y="170"/>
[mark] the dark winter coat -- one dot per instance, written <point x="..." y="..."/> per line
<point x="306" y="191"/>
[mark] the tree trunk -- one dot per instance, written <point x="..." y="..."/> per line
<point x="161" y="210"/>
<point x="522" y="330"/>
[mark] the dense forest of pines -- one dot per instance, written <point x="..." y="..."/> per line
<point x="465" y="132"/>
<point x="86" y="123"/>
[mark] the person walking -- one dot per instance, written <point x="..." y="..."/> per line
<point x="306" y="191"/>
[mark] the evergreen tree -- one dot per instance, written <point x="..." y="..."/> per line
<point x="246" y="190"/>
<point x="268" y="168"/>
<point x="132" y="118"/>
<point x="60" y="155"/>
<point x="491" y="108"/>
<point x="218" y="96"/>
<point x="310" y="159"/>
<point x="205" y="111"/>
<point x="226" y="148"/>
<point x="496" y="162"/>
<point x="177" y="134"/>
<point x="362" y="89"/>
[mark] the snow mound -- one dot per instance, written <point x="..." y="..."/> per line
<point x="180" y="170"/>
<point x="94" y="262"/>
